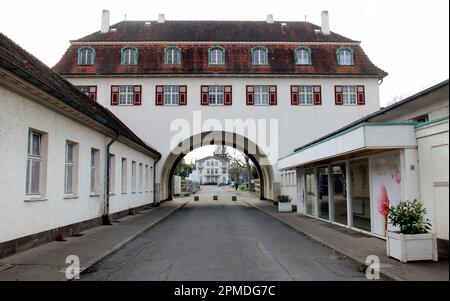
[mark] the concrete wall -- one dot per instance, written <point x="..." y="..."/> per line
<point x="20" y="216"/>
<point x="152" y="123"/>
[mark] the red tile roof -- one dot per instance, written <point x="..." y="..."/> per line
<point x="195" y="31"/>
<point x="195" y="37"/>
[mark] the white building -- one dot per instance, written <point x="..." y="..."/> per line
<point x="213" y="170"/>
<point x="54" y="146"/>
<point x="159" y="75"/>
<point x="398" y="153"/>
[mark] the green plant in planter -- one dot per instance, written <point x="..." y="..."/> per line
<point x="410" y="217"/>
<point x="283" y="199"/>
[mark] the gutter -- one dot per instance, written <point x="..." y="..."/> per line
<point x="105" y="217"/>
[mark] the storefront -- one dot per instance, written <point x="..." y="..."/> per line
<point x="351" y="178"/>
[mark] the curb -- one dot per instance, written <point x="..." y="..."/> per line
<point x="119" y="245"/>
<point x="388" y="275"/>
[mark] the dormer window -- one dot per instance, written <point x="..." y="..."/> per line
<point x="345" y="57"/>
<point x="216" y="56"/>
<point x="302" y="56"/>
<point x="172" y="56"/>
<point x="129" y="56"/>
<point x="259" y="56"/>
<point x="86" y="56"/>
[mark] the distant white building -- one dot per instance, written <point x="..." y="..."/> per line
<point x="213" y="170"/>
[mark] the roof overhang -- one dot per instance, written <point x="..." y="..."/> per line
<point x="362" y="138"/>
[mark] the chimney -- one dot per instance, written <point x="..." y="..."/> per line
<point x="105" y="21"/>
<point x="325" y="23"/>
<point x="269" y="19"/>
<point x="161" y="18"/>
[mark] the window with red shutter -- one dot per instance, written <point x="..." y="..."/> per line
<point x="228" y="95"/>
<point x="114" y="95"/>
<point x="159" y="95"/>
<point x="183" y="95"/>
<point x="250" y="95"/>
<point x="361" y="95"/>
<point x="204" y="95"/>
<point x="93" y="92"/>
<point x="294" y="95"/>
<point x="137" y="96"/>
<point x="272" y="95"/>
<point x="338" y="96"/>
<point x="317" y="91"/>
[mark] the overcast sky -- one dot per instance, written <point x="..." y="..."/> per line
<point x="407" y="38"/>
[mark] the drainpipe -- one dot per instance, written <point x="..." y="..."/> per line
<point x="154" y="182"/>
<point x="105" y="217"/>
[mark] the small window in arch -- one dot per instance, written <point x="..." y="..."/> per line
<point x="259" y="56"/>
<point x="172" y="56"/>
<point x="216" y="56"/>
<point x="345" y="57"/>
<point x="86" y="56"/>
<point x="129" y="56"/>
<point x="302" y="56"/>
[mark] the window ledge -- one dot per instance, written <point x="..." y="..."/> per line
<point x="70" y="197"/>
<point x="92" y="195"/>
<point x="35" y="199"/>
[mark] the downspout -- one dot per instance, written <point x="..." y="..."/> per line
<point x="105" y="217"/>
<point x="154" y="182"/>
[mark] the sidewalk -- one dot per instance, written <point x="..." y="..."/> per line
<point x="48" y="262"/>
<point x="356" y="246"/>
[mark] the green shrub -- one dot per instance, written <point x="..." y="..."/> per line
<point x="410" y="217"/>
<point x="283" y="199"/>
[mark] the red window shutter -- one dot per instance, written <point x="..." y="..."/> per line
<point x="204" y="95"/>
<point x="137" y="96"/>
<point x="93" y="92"/>
<point x="273" y="95"/>
<point x="361" y="95"/>
<point x="159" y="95"/>
<point x="228" y="95"/>
<point x="183" y="95"/>
<point x="250" y="95"/>
<point x="294" y="95"/>
<point x="114" y="95"/>
<point x="338" y="96"/>
<point x="317" y="90"/>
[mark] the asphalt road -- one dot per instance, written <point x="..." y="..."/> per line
<point x="222" y="240"/>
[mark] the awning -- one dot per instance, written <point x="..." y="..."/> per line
<point x="361" y="137"/>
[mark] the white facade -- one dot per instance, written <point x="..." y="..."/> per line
<point x="404" y="152"/>
<point x="21" y="215"/>
<point x="212" y="170"/>
<point x="161" y="124"/>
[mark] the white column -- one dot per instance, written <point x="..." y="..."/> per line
<point x="410" y="174"/>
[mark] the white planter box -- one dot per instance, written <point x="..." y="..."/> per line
<point x="410" y="247"/>
<point x="284" y="207"/>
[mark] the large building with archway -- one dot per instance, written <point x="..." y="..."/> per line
<point x="263" y="87"/>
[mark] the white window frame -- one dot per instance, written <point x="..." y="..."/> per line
<point x="259" y="56"/>
<point x="34" y="157"/>
<point x="345" y="57"/>
<point x="141" y="177"/>
<point x="171" y="95"/>
<point x="124" y="176"/>
<point x="126" y="95"/>
<point x="95" y="174"/>
<point x="112" y="174"/>
<point x="173" y="56"/>
<point x="86" y="56"/>
<point x="216" y="95"/>
<point x="129" y="56"/>
<point x="261" y="95"/>
<point x="216" y="56"/>
<point x="349" y="95"/>
<point x="70" y="164"/>
<point x="306" y="95"/>
<point x="133" y="177"/>
<point x="303" y="56"/>
<point x="147" y="178"/>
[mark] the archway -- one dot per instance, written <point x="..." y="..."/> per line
<point x="233" y="140"/>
